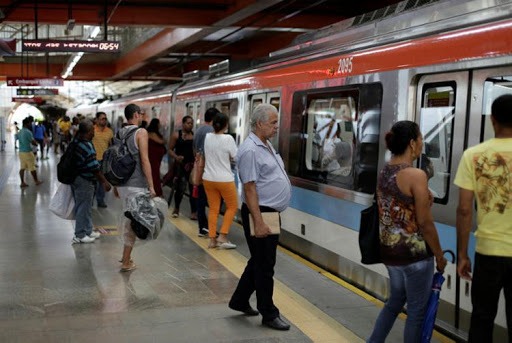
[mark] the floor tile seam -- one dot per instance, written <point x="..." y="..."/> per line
<point x="296" y="308"/>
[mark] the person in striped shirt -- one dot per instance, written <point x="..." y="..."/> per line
<point x="84" y="186"/>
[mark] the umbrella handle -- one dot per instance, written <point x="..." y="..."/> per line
<point x="451" y="253"/>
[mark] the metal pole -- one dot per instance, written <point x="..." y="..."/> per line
<point x="35" y="18"/>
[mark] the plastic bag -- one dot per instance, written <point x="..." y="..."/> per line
<point x="63" y="202"/>
<point x="147" y="215"/>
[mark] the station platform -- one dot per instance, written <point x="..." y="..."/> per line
<point x="53" y="291"/>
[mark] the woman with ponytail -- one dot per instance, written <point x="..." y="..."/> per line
<point x="219" y="182"/>
<point x="408" y="237"/>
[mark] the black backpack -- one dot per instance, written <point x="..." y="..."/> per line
<point x="66" y="168"/>
<point x="118" y="163"/>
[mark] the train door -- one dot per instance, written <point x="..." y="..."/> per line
<point x="486" y="86"/>
<point x="230" y="108"/>
<point x="441" y="113"/>
<point x="272" y="98"/>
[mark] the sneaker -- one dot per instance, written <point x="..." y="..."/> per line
<point x="226" y="245"/>
<point x="85" y="239"/>
<point x="203" y="232"/>
<point x="95" y="234"/>
<point x="175" y="213"/>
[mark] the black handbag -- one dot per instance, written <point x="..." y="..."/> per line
<point x="369" y="235"/>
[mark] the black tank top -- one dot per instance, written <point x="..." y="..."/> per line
<point x="184" y="147"/>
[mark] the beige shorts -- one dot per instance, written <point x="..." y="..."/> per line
<point x="27" y="161"/>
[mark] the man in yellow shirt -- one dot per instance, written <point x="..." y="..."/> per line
<point x="485" y="173"/>
<point x="102" y="139"/>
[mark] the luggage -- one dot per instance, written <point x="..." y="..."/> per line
<point x="63" y="203"/>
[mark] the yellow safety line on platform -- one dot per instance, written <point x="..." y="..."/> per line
<point x="309" y="319"/>
<point x="352" y="288"/>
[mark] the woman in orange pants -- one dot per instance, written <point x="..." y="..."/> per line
<point x="219" y="182"/>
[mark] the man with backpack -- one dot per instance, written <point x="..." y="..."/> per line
<point x="140" y="180"/>
<point x="88" y="173"/>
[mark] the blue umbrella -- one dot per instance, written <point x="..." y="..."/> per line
<point x="433" y="303"/>
<point x="431" y="312"/>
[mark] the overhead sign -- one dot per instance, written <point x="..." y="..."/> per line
<point x="36" y="99"/>
<point x="35" y="82"/>
<point x="55" y="45"/>
<point x="37" y="91"/>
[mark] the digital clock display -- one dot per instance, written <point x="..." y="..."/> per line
<point x="49" y="45"/>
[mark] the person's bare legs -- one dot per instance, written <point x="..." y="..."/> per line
<point x="22" y="178"/>
<point x="36" y="180"/>
<point x="129" y="241"/>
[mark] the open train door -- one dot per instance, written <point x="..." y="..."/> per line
<point x="486" y="86"/>
<point x="442" y="114"/>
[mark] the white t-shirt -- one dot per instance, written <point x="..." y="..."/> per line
<point x="218" y="152"/>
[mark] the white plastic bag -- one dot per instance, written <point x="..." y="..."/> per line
<point x="63" y="202"/>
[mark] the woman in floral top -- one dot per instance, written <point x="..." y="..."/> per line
<point x="408" y="237"/>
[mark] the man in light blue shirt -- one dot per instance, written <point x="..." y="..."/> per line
<point x="266" y="188"/>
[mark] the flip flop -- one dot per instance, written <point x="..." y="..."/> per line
<point x="128" y="269"/>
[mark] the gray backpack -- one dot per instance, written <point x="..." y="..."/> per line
<point x="118" y="163"/>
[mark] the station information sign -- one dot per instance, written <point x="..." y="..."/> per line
<point x="34" y="82"/>
<point x="37" y="91"/>
<point x="55" y="45"/>
<point x="36" y="99"/>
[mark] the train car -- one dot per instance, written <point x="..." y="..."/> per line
<point x="340" y="89"/>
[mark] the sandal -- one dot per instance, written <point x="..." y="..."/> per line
<point x="131" y="267"/>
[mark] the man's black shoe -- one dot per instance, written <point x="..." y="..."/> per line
<point x="277" y="324"/>
<point x="246" y="310"/>
<point x="102" y="205"/>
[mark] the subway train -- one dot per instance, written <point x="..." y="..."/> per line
<point x="338" y="91"/>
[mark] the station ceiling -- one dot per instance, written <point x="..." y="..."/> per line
<point x="162" y="39"/>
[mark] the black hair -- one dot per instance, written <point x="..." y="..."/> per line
<point x="153" y="126"/>
<point x="400" y="135"/>
<point x="98" y="114"/>
<point x="185" y="118"/>
<point x="501" y="110"/>
<point x="130" y="110"/>
<point x="85" y="126"/>
<point x="210" y="114"/>
<point x="427" y="166"/>
<point x="219" y="122"/>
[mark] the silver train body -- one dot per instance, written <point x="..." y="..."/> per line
<point x="432" y="65"/>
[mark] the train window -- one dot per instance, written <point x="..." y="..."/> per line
<point x="276" y="102"/>
<point x="335" y="136"/>
<point x="493" y="88"/>
<point x="436" y="124"/>
<point x="230" y="108"/>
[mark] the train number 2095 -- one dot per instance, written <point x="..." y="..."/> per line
<point x="345" y="65"/>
